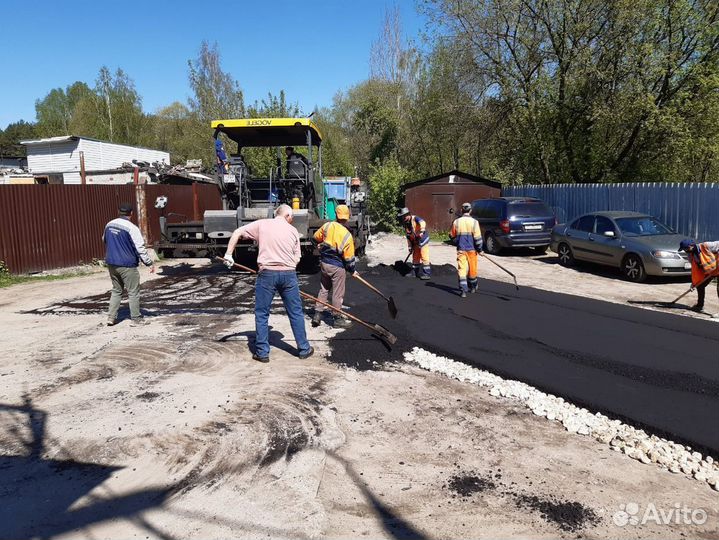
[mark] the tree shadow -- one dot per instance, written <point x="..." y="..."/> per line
<point x="394" y="524"/>
<point x="38" y="493"/>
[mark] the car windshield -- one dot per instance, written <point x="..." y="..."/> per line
<point x="642" y="226"/>
<point x="529" y="209"/>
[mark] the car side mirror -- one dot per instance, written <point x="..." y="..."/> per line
<point x="609" y="234"/>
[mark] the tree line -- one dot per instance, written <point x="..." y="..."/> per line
<point x="520" y="91"/>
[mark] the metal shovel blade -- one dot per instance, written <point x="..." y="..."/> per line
<point x="392" y="307"/>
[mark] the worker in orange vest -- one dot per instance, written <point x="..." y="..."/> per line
<point x="467" y="236"/>
<point x="415" y="229"/>
<point x="337" y="258"/>
<point x="704" y="258"/>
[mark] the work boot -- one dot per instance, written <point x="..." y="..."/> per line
<point x="424" y="277"/>
<point x="263" y="359"/>
<point x="463" y="294"/>
<point x="111" y="322"/>
<point x="316" y="319"/>
<point x="341" y="322"/>
<point x="697" y="308"/>
<point x="474" y="290"/>
<point x="139" y="321"/>
<point x="307" y="354"/>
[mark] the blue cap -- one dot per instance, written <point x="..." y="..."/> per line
<point x="684" y="245"/>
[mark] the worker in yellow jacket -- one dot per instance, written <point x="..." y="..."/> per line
<point x="704" y="259"/>
<point x="467" y="236"/>
<point x="337" y="258"/>
<point x="415" y="228"/>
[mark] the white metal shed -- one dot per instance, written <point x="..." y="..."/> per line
<point x="61" y="155"/>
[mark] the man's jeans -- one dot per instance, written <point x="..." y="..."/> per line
<point x="285" y="283"/>
<point x="127" y="278"/>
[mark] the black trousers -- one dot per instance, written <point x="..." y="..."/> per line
<point x="702" y="291"/>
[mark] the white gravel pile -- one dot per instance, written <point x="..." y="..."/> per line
<point x="633" y="442"/>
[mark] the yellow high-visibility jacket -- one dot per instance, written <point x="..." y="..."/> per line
<point x="466" y="234"/>
<point x="336" y="245"/>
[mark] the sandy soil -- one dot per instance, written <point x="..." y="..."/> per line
<point x="172" y="431"/>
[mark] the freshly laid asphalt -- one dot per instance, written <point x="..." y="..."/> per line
<point x="657" y="370"/>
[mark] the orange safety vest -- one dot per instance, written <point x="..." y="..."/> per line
<point x="704" y="264"/>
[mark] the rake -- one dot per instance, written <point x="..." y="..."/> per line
<point x="501" y="267"/>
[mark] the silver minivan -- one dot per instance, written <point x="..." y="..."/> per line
<point x="637" y="244"/>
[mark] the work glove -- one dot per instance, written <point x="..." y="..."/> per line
<point x="228" y="261"/>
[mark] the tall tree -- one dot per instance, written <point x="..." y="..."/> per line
<point x="55" y="112"/>
<point x="119" y="108"/>
<point x="12" y="135"/>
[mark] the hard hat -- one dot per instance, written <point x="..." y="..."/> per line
<point x="403" y="212"/>
<point x="466" y="207"/>
<point x="342" y="211"/>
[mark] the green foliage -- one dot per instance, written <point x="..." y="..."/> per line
<point x="385" y="184"/>
<point x="12" y="135"/>
<point x="57" y="111"/>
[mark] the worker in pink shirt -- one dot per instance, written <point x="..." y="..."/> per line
<point x="279" y="253"/>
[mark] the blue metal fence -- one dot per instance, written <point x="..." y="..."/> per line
<point x="690" y="208"/>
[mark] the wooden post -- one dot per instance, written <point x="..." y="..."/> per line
<point x="82" y="168"/>
<point x="141" y="205"/>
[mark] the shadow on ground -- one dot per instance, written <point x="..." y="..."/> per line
<point x="38" y="493"/>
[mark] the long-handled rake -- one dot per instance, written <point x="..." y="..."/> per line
<point x="380" y="331"/>
<point x="673" y="302"/>
<point x="501" y="267"/>
<point x="391" y="306"/>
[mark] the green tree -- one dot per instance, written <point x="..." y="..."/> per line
<point x="11" y="136"/>
<point x="55" y="112"/>
<point x="593" y="90"/>
<point x="119" y="108"/>
<point x="385" y="184"/>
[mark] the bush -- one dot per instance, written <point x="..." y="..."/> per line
<point x="385" y="184"/>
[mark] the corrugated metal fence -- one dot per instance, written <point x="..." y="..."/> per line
<point x="690" y="208"/>
<point x="54" y="226"/>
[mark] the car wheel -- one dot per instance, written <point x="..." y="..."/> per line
<point x="491" y="245"/>
<point x="538" y="250"/>
<point x="633" y="268"/>
<point x="566" y="257"/>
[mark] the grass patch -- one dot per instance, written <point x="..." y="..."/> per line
<point x="439" y="236"/>
<point x="7" y="279"/>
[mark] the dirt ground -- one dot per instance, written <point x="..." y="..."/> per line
<point x="171" y="430"/>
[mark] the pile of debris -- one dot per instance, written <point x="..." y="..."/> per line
<point x="15" y="175"/>
<point x="162" y="173"/>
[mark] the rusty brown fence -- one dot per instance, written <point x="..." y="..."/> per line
<point x="55" y="226"/>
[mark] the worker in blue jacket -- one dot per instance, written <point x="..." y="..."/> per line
<point x="124" y="249"/>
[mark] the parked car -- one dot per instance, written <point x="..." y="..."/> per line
<point x="513" y="222"/>
<point x="638" y="244"/>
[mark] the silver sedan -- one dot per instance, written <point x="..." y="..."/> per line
<point x="637" y="244"/>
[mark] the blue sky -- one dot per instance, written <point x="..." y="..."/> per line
<point x="310" y="49"/>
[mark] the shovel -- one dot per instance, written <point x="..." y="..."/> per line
<point x="391" y="306"/>
<point x="402" y="267"/>
<point x="381" y="332"/>
<point x="501" y="267"/>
